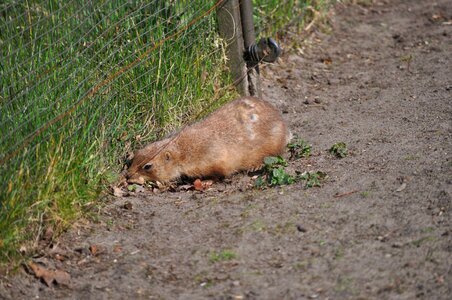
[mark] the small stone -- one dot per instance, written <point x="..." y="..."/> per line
<point x="396" y="245"/>
<point x="301" y="228"/>
<point x="128" y="205"/>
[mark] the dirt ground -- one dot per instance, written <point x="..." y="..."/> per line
<point x="379" y="226"/>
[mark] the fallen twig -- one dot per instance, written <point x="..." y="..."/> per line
<point x="337" y="195"/>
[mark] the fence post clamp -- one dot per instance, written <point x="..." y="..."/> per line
<point x="265" y="50"/>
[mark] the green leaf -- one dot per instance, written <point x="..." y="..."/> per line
<point x="313" y="179"/>
<point x="299" y="148"/>
<point x="339" y="150"/>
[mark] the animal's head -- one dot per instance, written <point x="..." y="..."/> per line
<point x="153" y="163"/>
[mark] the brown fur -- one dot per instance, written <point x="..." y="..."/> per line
<point x="236" y="137"/>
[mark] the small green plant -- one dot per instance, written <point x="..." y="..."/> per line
<point x="258" y="225"/>
<point x="339" y="150"/>
<point x="345" y="284"/>
<point x="419" y="242"/>
<point x="272" y="162"/>
<point x="299" y="148"/>
<point x="365" y="194"/>
<point x="222" y="255"/>
<point x="274" y="172"/>
<point x="312" y="179"/>
<point x="410" y="157"/>
<point x="109" y="223"/>
<point x="339" y="253"/>
<point x="428" y="229"/>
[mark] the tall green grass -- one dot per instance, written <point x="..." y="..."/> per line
<point x="276" y="17"/>
<point x="82" y="83"/>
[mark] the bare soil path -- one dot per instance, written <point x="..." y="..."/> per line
<point x="378" y="228"/>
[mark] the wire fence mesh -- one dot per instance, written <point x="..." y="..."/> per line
<point x="45" y="71"/>
<point x="81" y="82"/>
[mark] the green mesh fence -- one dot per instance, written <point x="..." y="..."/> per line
<point x="84" y="82"/>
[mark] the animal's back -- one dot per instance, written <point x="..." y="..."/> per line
<point x="237" y="137"/>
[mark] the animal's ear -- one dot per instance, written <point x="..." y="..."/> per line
<point x="167" y="155"/>
<point x="147" y="167"/>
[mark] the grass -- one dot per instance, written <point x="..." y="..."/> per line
<point x="339" y="150"/>
<point x="411" y="157"/>
<point x="345" y="284"/>
<point x="223" y="255"/>
<point x="365" y="194"/>
<point x="417" y="243"/>
<point x="274" y="17"/>
<point x="82" y="83"/>
<point x="99" y="82"/>
<point x="299" y="148"/>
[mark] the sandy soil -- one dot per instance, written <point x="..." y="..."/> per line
<point x="378" y="228"/>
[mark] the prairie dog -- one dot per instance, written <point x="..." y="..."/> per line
<point x="236" y="137"/>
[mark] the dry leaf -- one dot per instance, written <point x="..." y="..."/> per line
<point x="62" y="277"/>
<point x="198" y="185"/>
<point x="401" y="187"/>
<point x="437" y="17"/>
<point x="42" y="273"/>
<point x="93" y="249"/>
<point x="58" y="253"/>
<point x="185" y="187"/>
<point x="202" y="185"/>
<point x="59" y="257"/>
<point x="49" y="276"/>
<point x="118" y="192"/>
<point x="327" y="61"/>
<point x="139" y="189"/>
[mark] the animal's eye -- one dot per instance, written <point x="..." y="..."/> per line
<point x="147" y="167"/>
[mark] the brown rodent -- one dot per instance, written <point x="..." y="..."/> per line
<point x="236" y="137"/>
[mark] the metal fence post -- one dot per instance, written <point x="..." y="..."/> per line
<point x="230" y="28"/>
<point x="249" y="38"/>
